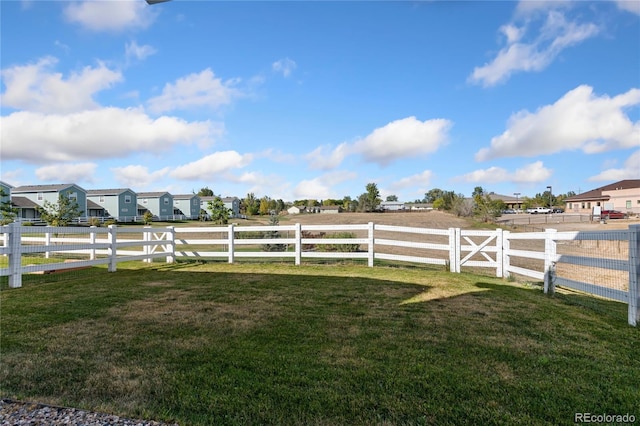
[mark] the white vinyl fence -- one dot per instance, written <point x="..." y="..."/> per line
<point x="604" y="263"/>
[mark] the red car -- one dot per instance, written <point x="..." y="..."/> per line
<point x="612" y="214"/>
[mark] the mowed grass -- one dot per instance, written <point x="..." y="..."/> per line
<point x="316" y="345"/>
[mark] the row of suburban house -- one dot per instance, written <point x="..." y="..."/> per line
<point x="125" y="205"/>
<point x="122" y="204"/>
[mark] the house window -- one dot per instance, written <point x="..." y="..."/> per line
<point x="73" y="196"/>
<point x="195" y="202"/>
<point x="598" y="203"/>
<point x="589" y="205"/>
<point x="127" y="199"/>
<point x="40" y="196"/>
<point x="102" y="198"/>
<point x="144" y="201"/>
<point x="583" y="205"/>
<point x="125" y="210"/>
<point x="629" y="204"/>
<point x="166" y="201"/>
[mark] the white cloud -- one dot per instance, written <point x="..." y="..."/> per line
<point x="134" y="51"/>
<point x="103" y="133"/>
<point x="527" y="8"/>
<point x="321" y="187"/>
<point x="323" y="158"/>
<point x="194" y="91"/>
<point x="631" y="170"/>
<point x="211" y="166"/>
<point x="137" y="176"/>
<point x="36" y="87"/>
<point x="65" y="172"/>
<point x="420" y="180"/>
<point x="110" y="15"/>
<point x="632" y="6"/>
<point x="285" y="66"/>
<point x="556" y="34"/>
<point x="531" y="173"/>
<point x="578" y="120"/>
<point x="403" y="138"/>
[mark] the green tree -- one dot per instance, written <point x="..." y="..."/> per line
<point x="486" y="208"/>
<point x="7" y="211"/>
<point x="61" y="213"/>
<point x="250" y="204"/>
<point x="218" y="212"/>
<point x="205" y="192"/>
<point x="147" y="218"/>
<point x="370" y="200"/>
<point x="432" y="195"/>
<point x="392" y="198"/>
<point x="263" y="209"/>
<point x="273" y="221"/>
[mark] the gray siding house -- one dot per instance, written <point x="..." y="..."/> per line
<point x="120" y="204"/>
<point x="6" y="192"/>
<point x="28" y="197"/>
<point x="231" y="203"/>
<point x="187" y="205"/>
<point x="160" y="204"/>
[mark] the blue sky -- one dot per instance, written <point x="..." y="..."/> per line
<point x="315" y="99"/>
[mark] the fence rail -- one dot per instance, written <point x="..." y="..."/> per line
<point x="606" y="264"/>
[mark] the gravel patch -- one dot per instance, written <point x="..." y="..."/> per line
<point x="16" y="413"/>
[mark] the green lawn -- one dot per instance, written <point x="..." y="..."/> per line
<point x="255" y="343"/>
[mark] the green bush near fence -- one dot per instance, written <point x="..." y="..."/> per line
<point x="345" y="248"/>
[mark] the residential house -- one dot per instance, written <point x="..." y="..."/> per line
<point x="188" y="205"/>
<point x="623" y="195"/>
<point x="420" y="206"/>
<point x="119" y="204"/>
<point x="296" y="209"/>
<point x="330" y="209"/>
<point x="511" y="202"/>
<point x="231" y="203"/>
<point x="390" y="206"/>
<point x="160" y="204"/>
<point x="29" y="197"/>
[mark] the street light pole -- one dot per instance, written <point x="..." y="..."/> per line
<point x="517" y="194"/>
<point x="550" y="195"/>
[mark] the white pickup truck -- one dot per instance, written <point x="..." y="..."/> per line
<point x="539" y="210"/>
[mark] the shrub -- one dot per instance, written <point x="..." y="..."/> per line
<point x="344" y="248"/>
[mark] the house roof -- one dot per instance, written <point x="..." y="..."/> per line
<point x="185" y="196"/>
<point x="330" y="207"/>
<point x="23" y="203"/>
<point x="93" y="205"/>
<point x="44" y="188"/>
<point x="597" y="194"/>
<point x="152" y="194"/>
<point x="5" y="184"/>
<point x="505" y="198"/>
<point x="114" y="191"/>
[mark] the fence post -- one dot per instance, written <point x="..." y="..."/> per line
<point x="231" y="240"/>
<point x="506" y="258"/>
<point x="634" y="274"/>
<point x="47" y="242"/>
<point x="15" y="255"/>
<point x="499" y="251"/>
<point x="370" y="244"/>
<point x="92" y="241"/>
<point x="549" y="260"/>
<point x="170" y="247"/>
<point x="298" y="244"/>
<point x="453" y="252"/>
<point x="113" y="251"/>
<point x="146" y="248"/>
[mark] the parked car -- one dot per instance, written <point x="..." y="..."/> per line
<point x="612" y="214"/>
<point x="509" y="211"/>
<point x="557" y="210"/>
<point x="539" y="210"/>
